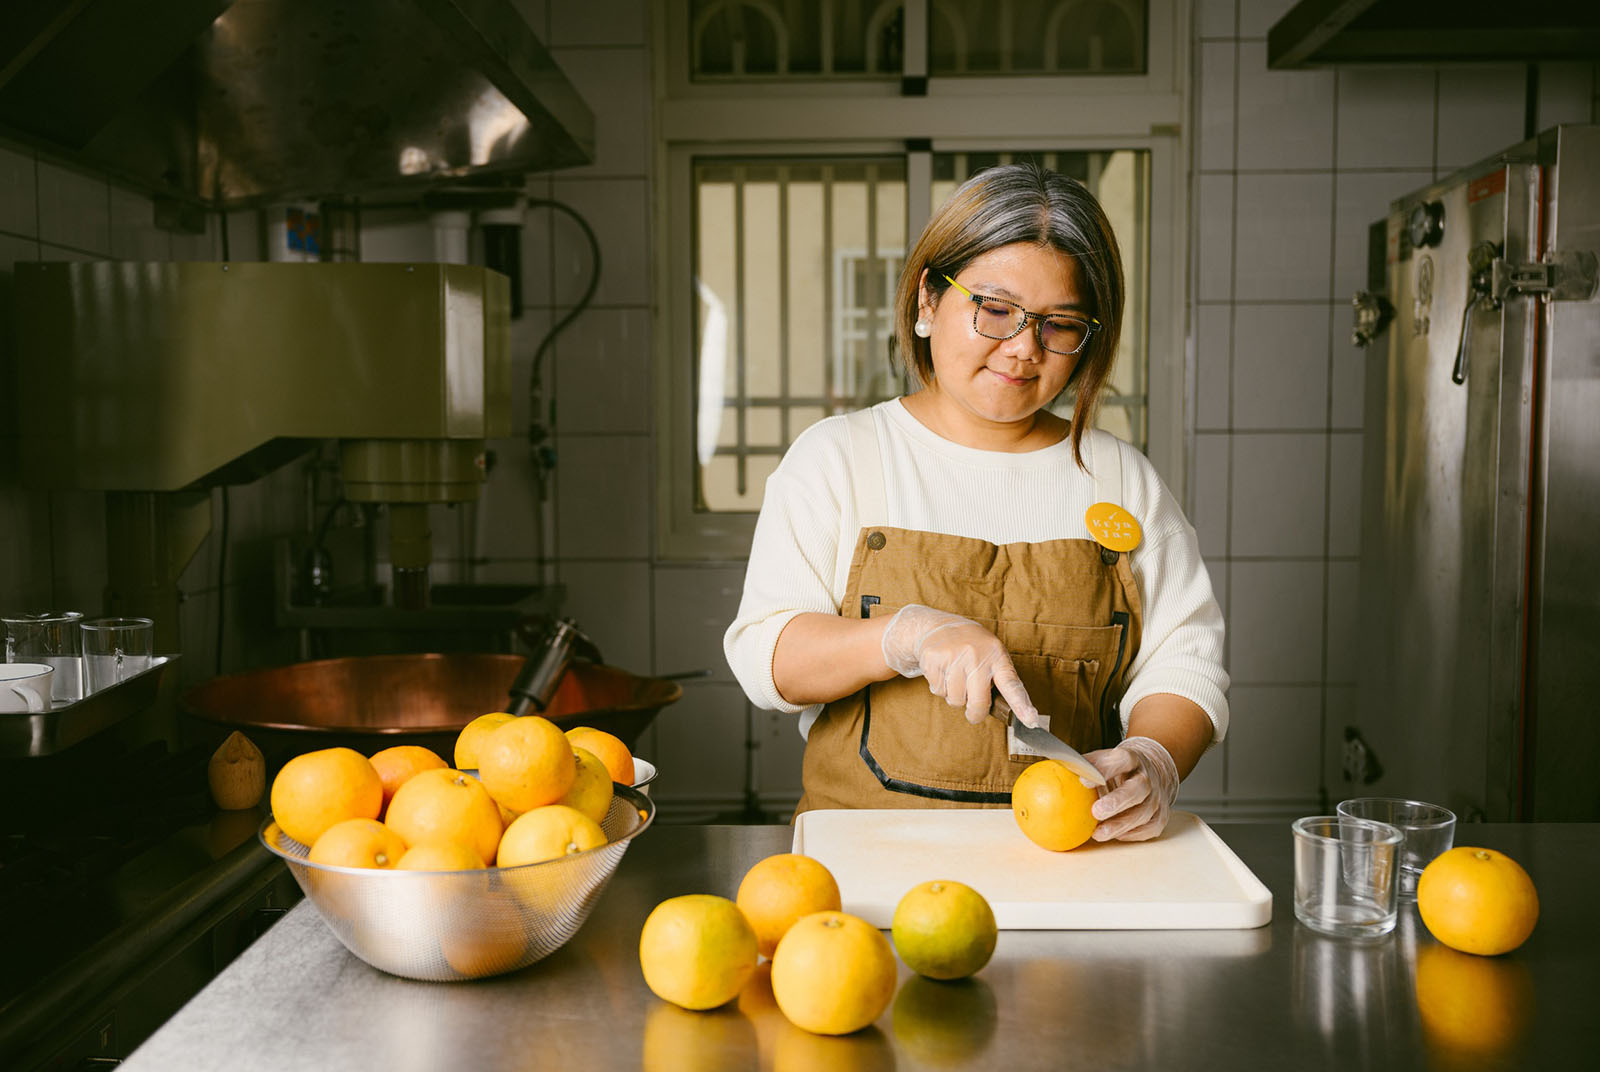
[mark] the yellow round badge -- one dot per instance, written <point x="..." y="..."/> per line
<point x="1113" y="527"/>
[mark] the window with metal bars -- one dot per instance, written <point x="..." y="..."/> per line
<point x="795" y="265"/>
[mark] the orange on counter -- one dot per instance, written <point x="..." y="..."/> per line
<point x="527" y="763"/>
<point x="833" y="973"/>
<point x="446" y="805"/>
<point x="396" y="765"/>
<point x="317" y="789"/>
<point x="1477" y="900"/>
<point x="779" y="890"/>
<point x="358" y="843"/>
<point x="944" y="930"/>
<point x="1052" y="806"/>
<point x="697" y="951"/>
<point x="612" y="752"/>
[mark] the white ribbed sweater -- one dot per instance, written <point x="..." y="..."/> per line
<point x="934" y="485"/>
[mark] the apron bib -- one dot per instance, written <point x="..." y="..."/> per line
<point x="1067" y="610"/>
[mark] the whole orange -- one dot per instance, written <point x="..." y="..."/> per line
<point x="779" y="890"/>
<point x="446" y="805"/>
<point x="612" y="752"/>
<point x="470" y="739"/>
<point x="1477" y="900"/>
<point x="591" y="790"/>
<point x="317" y="789"/>
<point x="441" y="856"/>
<point x="1052" y="806"/>
<point x="546" y="833"/>
<point x="833" y="973"/>
<point x="358" y="843"/>
<point x="944" y="930"/>
<point x="527" y="763"/>
<point x="697" y="951"/>
<point x="494" y="942"/>
<point x="396" y="765"/>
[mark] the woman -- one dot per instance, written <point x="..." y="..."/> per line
<point x="946" y="535"/>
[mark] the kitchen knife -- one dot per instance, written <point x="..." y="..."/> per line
<point x="1047" y="744"/>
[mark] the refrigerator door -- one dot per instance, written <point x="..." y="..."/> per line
<point x="1563" y="740"/>
<point x="1445" y="496"/>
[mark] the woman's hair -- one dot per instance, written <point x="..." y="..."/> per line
<point x="1000" y="206"/>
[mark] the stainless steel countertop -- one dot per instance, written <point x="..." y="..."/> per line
<point x="1276" y="997"/>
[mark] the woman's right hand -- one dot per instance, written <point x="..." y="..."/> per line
<point x="961" y="660"/>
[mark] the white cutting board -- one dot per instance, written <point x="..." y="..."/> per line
<point x="1185" y="879"/>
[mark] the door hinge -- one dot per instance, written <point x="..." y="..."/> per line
<point x="1559" y="277"/>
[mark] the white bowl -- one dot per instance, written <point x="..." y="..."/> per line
<point x="644" y="772"/>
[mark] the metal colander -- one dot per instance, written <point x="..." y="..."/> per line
<point x="450" y="925"/>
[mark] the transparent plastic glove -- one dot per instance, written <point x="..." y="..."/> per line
<point x="1141" y="784"/>
<point x="961" y="660"/>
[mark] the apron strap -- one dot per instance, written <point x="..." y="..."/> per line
<point x="1105" y="463"/>
<point x="866" y="481"/>
<point x="866" y="463"/>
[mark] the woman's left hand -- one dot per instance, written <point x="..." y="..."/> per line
<point x="1141" y="784"/>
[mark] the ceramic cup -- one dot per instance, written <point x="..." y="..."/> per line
<point x="25" y="687"/>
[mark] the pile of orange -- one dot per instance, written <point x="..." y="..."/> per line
<point x="538" y="794"/>
<point x="831" y="973"/>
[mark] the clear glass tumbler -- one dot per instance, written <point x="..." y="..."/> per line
<point x="1346" y="875"/>
<point x="51" y="638"/>
<point x="115" y="649"/>
<point x="1429" y="830"/>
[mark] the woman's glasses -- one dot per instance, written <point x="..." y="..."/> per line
<point x="996" y="318"/>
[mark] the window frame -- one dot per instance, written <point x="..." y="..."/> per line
<point x="1147" y="112"/>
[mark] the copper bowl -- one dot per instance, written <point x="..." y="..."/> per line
<point x="373" y="701"/>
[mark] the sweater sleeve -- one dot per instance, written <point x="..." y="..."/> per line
<point x="792" y="557"/>
<point x="1180" y="649"/>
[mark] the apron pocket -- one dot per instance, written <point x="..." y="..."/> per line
<point x="1064" y="689"/>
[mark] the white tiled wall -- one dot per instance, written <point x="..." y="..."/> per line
<point x="1290" y="168"/>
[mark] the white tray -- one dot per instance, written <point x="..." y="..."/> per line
<point x="1185" y="879"/>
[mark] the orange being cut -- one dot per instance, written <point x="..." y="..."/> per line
<point x="1052" y="806"/>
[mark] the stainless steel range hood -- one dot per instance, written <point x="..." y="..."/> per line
<point x="1318" y="33"/>
<point x="242" y="102"/>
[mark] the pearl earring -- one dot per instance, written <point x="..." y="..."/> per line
<point x="923" y="328"/>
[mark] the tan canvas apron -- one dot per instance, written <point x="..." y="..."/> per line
<point x="1067" y="610"/>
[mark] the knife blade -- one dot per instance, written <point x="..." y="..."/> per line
<point x="1047" y="744"/>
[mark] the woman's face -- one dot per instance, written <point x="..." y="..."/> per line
<point x="990" y="381"/>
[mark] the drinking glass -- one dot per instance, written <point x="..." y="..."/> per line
<point x="115" y="649"/>
<point x="1428" y="830"/>
<point x="1345" y="875"/>
<point x="52" y="639"/>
